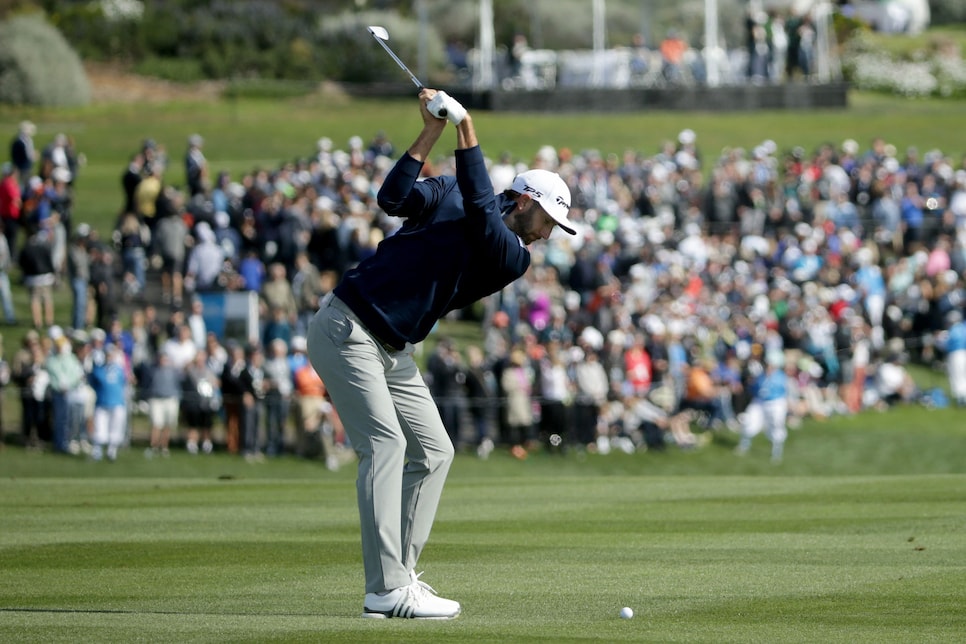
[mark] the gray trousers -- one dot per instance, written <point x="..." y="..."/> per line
<point x="394" y="426"/>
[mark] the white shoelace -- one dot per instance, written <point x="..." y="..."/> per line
<point x="422" y="585"/>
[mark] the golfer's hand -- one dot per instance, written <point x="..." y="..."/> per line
<point x="426" y="95"/>
<point x="442" y="105"/>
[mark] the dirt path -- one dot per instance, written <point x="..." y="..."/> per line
<point x="111" y="84"/>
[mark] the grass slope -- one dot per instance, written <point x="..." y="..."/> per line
<point x="244" y="134"/>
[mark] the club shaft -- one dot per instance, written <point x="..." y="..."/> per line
<point x="401" y="64"/>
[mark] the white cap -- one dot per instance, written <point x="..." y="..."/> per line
<point x="548" y="190"/>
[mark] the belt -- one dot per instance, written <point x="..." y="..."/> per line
<point x="330" y="299"/>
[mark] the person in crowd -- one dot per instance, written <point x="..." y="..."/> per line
<point x="893" y="383"/>
<point x="130" y="179"/>
<point x="278" y="396"/>
<point x="317" y="422"/>
<point x="180" y="347"/>
<point x="768" y="409"/>
<point x="253" y="384"/>
<point x="591" y="390"/>
<point x="308" y="288"/>
<point x="65" y="373"/>
<point x="555" y="390"/>
<point x="79" y="275"/>
<point x="277" y="327"/>
<point x="23" y="153"/>
<point x="196" y="322"/>
<point x="28" y="373"/>
<point x="146" y="193"/>
<point x="953" y="343"/>
<point x="164" y="404"/>
<point x="517" y="380"/>
<point x="673" y="49"/>
<point x="11" y="205"/>
<point x="6" y="294"/>
<point x="196" y="166"/>
<point x="171" y="235"/>
<point x="37" y="266"/>
<point x="80" y="399"/>
<point x="205" y="261"/>
<point x="109" y="379"/>
<point x="277" y="293"/>
<point x="233" y="394"/>
<point x="200" y="403"/>
<point x="445" y="373"/>
<point x="134" y="239"/>
<point x="479" y="392"/>
<point x="103" y="284"/>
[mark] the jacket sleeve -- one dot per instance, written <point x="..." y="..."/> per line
<point x="402" y="195"/>
<point x="483" y="213"/>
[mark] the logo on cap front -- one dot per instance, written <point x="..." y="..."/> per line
<point x="536" y="193"/>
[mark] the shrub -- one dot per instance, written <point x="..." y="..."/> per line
<point x="180" y="70"/>
<point x="940" y="71"/>
<point x="947" y="12"/>
<point x="38" y="66"/>
<point x="353" y="56"/>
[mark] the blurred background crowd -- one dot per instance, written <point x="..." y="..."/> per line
<point x="690" y="269"/>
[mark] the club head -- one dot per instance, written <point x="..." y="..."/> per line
<point x="379" y="32"/>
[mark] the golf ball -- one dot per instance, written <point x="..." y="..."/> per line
<point x="627" y="612"/>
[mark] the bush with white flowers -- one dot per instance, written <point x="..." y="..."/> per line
<point x="870" y="68"/>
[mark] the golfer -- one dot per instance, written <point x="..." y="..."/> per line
<point x="459" y="243"/>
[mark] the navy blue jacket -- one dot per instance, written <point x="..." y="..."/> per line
<point x="452" y="250"/>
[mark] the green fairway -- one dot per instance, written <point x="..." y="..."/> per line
<point x="703" y="545"/>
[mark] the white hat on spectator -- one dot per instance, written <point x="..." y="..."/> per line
<point x="592" y="338"/>
<point x="687" y="136"/>
<point x="850" y="146"/>
<point x="360" y="184"/>
<point x="355" y="143"/>
<point x="55" y="332"/>
<point x="616" y="337"/>
<point x="654" y="325"/>
<point x="324" y="144"/>
<point x="547" y="156"/>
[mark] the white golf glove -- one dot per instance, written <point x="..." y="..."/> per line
<point x="442" y="105"/>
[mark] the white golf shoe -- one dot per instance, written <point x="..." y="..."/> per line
<point x="418" y="600"/>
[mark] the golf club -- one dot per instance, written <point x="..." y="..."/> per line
<point x="382" y="35"/>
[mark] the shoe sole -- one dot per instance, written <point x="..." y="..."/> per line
<point x="388" y="615"/>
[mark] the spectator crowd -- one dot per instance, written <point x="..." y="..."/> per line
<point x="690" y="273"/>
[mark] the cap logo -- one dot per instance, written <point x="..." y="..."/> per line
<point x="536" y="193"/>
<point x="539" y="195"/>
